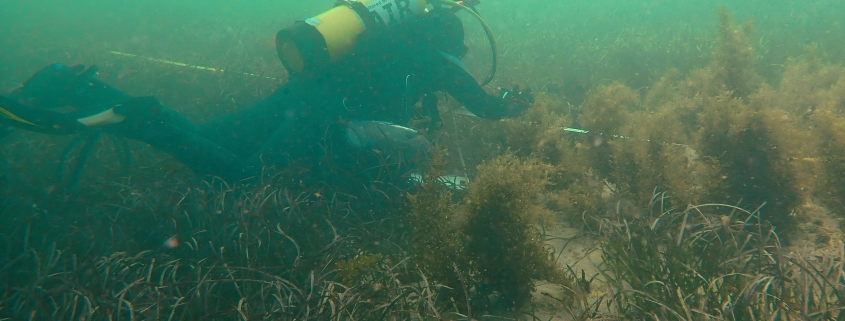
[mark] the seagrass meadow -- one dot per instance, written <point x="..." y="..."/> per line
<point x="682" y="160"/>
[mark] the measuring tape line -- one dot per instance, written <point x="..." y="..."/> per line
<point x="182" y="64"/>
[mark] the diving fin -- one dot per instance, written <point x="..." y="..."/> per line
<point x="106" y="117"/>
<point x="15" y="114"/>
<point x="5" y="131"/>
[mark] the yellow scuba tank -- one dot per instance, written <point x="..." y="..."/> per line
<point x="309" y="45"/>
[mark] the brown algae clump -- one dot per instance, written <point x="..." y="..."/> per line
<point x="750" y="145"/>
<point x="733" y="65"/>
<point x="436" y="238"/>
<point x="501" y="214"/>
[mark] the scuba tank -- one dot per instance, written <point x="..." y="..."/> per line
<point x="308" y="46"/>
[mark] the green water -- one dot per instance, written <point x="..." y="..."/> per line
<point x="230" y="33"/>
<point x="151" y="240"/>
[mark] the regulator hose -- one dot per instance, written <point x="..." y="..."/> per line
<point x="490" y="37"/>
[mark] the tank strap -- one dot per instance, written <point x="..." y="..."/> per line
<point x="363" y="13"/>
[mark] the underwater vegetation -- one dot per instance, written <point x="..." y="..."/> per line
<point x="486" y="248"/>
<point x="831" y="147"/>
<point x="732" y="66"/>
<point x="706" y="262"/>
<point x="209" y="252"/>
<point x="714" y="135"/>
<point x="152" y="241"/>
<point x="503" y="244"/>
<point x="437" y="243"/>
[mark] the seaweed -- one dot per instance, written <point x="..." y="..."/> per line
<point x="290" y="248"/>
<point x="356" y="270"/>
<point x="810" y="84"/>
<point x="606" y="115"/>
<point x="714" y="260"/>
<point x="436" y="239"/>
<point x="260" y="251"/>
<point x="751" y="146"/>
<point x="733" y="65"/>
<point x="639" y="168"/>
<point x="830" y="185"/>
<point x="503" y="244"/>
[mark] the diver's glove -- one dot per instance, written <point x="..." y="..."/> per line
<point x="58" y="85"/>
<point x="517" y="100"/>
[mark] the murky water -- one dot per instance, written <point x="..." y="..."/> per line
<point x="588" y="205"/>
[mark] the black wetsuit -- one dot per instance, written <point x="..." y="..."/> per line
<point x="389" y="71"/>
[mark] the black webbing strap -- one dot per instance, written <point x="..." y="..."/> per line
<point x="361" y="10"/>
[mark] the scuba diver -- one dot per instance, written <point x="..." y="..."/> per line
<point x="359" y="73"/>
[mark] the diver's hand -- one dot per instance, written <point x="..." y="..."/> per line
<point x="517" y="100"/>
<point x="521" y="95"/>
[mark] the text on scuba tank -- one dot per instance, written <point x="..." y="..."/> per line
<point x="388" y="12"/>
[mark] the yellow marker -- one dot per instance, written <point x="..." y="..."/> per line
<point x="181" y="64"/>
<point x="14" y="117"/>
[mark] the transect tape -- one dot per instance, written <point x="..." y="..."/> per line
<point x="182" y="64"/>
<point x="568" y="129"/>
